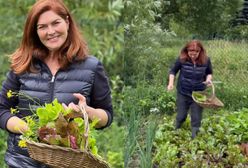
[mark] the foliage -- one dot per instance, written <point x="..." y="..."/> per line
<point x="132" y="123"/>
<point x="145" y="148"/>
<point x="146" y="99"/>
<point x="212" y="147"/>
<point x="237" y="32"/>
<point x="117" y="89"/>
<point x="3" y="144"/>
<point x="54" y="125"/>
<point x="142" y="41"/>
<point x="199" y="96"/>
<point x="111" y="142"/>
<point x="230" y="69"/>
<point x="102" y="27"/>
<point x="189" y="15"/>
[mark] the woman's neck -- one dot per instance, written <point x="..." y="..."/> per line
<point x="53" y="64"/>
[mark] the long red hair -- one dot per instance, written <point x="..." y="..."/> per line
<point x="202" y="58"/>
<point x="31" y="48"/>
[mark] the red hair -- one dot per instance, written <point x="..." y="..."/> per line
<point x="202" y="58"/>
<point x="31" y="48"/>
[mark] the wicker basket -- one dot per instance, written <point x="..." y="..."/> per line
<point x="64" y="157"/>
<point x="212" y="101"/>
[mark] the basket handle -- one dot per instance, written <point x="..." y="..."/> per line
<point x="86" y="127"/>
<point x="213" y="89"/>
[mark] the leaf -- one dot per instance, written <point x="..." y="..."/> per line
<point x="73" y="142"/>
<point x="72" y="129"/>
<point x="61" y="126"/>
<point x="49" y="112"/>
<point x="52" y="139"/>
<point x="44" y="131"/>
<point x="199" y="96"/>
<point x="65" y="142"/>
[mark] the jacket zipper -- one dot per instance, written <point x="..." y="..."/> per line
<point x="194" y="69"/>
<point x="52" y="86"/>
<point x="53" y="78"/>
<point x="51" y="82"/>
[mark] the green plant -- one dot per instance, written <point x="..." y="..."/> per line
<point x="237" y="32"/>
<point x="216" y="144"/>
<point x="149" y="99"/>
<point x="52" y="124"/>
<point x="113" y="150"/>
<point x="3" y="146"/>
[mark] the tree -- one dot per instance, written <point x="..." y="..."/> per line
<point x="202" y="18"/>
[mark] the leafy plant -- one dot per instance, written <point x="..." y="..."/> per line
<point x="53" y="125"/>
<point x="217" y="144"/>
<point x="199" y="97"/>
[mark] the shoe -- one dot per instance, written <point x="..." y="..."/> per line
<point x="194" y="131"/>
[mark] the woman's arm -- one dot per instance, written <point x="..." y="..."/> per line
<point x="93" y="113"/>
<point x="173" y="71"/>
<point x="8" y="120"/>
<point x="100" y="106"/>
<point x="171" y="82"/>
<point x="209" y="72"/>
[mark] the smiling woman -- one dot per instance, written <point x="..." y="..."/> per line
<point x="52" y="30"/>
<point x="52" y="62"/>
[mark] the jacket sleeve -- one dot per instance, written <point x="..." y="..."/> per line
<point x="209" y="69"/>
<point x="176" y="67"/>
<point x="101" y="93"/>
<point x="11" y="83"/>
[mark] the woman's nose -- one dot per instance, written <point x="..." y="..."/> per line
<point x="50" y="30"/>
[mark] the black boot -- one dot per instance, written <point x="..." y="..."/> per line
<point x="194" y="131"/>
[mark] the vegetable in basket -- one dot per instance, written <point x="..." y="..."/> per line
<point x="199" y="96"/>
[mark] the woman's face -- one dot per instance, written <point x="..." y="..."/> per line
<point x="52" y="30"/>
<point x="193" y="51"/>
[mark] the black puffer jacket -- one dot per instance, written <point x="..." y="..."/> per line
<point x="87" y="77"/>
<point x="191" y="76"/>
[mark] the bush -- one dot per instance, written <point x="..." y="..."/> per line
<point x="146" y="99"/>
<point x="239" y="32"/>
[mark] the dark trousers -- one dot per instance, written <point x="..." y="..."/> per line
<point x="16" y="157"/>
<point x="184" y="103"/>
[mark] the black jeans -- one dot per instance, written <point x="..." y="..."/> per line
<point x="184" y="103"/>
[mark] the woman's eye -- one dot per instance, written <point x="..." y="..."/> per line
<point x="41" y="27"/>
<point x="56" y="23"/>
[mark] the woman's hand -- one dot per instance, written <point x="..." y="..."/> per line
<point x="75" y="107"/>
<point x="17" y="125"/>
<point x="171" y="82"/>
<point x="208" y="80"/>
<point x="93" y="113"/>
<point x="208" y="83"/>
<point x="170" y="87"/>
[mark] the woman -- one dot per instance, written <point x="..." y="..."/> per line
<point x="195" y="72"/>
<point x="51" y="62"/>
